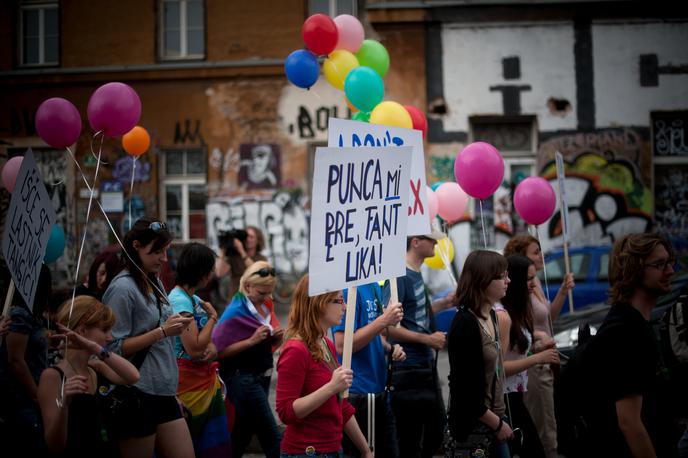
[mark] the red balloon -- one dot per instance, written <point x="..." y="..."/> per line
<point x="320" y="34"/>
<point x="418" y="119"/>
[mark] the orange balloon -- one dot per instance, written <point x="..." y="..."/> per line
<point x="350" y="105"/>
<point x="136" y="141"/>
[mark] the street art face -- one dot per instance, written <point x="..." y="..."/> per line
<point x="282" y="218"/>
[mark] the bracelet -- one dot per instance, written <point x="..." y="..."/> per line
<point x="104" y="353"/>
<point x="499" y="426"/>
<point x="163" y="331"/>
<point x="212" y="318"/>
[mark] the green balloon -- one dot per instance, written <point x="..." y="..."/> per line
<point x="372" y="54"/>
<point x="361" y="116"/>
<point x="364" y="88"/>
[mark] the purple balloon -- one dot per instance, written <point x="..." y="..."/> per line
<point x="58" y="122"/>
<point x="114" y="108"/>
<point x="479" y="169"/>
<point x="535" y="200"/>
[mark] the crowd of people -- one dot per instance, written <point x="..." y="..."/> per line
<point x="132" y="370"/>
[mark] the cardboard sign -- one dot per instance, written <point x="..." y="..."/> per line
<point x="345" y="133"/>
<point x="358" y="217"/>
<point x="27" y="228"/>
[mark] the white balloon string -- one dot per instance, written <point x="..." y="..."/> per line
<point x="114" y="232"/>
<point x="98" y="158"/>
<point x="444" y="255"/>
<point x="131" y="187"/>
<point x="482" y="223"/>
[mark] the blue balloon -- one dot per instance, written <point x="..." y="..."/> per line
<point x="364" y="88"/>
<point x="56" y="245"/>
<point x="434" y="186"/>
<point x="302" y="69"/>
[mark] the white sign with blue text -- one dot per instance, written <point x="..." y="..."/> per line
<point x="345" y="133"/>
<point x="27" y="228"/>
<point x="358" y="216"/>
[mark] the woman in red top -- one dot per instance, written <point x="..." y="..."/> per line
<point x="309" y="381"/>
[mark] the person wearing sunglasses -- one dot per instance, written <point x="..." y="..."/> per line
<point x="200" y="387"/>
<point x="246" y="336"/>
<point x="310" y="381"/>
<point x="150" y="418"/>
<point x="621" y="369"/>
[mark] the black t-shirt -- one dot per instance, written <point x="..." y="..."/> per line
<point x="623" y="360"/>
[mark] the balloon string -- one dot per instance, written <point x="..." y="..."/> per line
<point x="482" y="223"/>
<point x="83" y="242"/>
<point x="112" y="229"/>
<point x="544" y="266"/>
<point x="444" y="255"/>
<point x="131" y="188"/>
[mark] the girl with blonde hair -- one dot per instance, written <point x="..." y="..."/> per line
<point x="67" y="391"/>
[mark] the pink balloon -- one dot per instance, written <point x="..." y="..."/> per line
<point x="114" y="108"/>
<point x="350" y="32"/>
<point x="432" y="202"/>
<point x="10" y="172"/>
<point x="58" y="122"/>
<point x="479" y="169"/>
<point x="451" y="201"/>
<point x="535" y="200"/>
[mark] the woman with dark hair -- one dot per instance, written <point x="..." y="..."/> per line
<point x="476" y="404"/>
<point x="104" y="268"/>
<point x="539" y="398"/>
<point x="517" y="341"/>
<point x="151" y="418"/>
<point x="23" y="357"/>
<point x="200" y="388"/>
<point x="67" y="391"/>
<point x="310" y="380"/>
<point x="246" y="336"/>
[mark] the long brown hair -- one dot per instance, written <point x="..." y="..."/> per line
<point x="626" y="263"/>
<point x="480" y="268"/>
<point x="519" y="245"/>
<point x="304" y="318"/>
<point x="517" y="302"/>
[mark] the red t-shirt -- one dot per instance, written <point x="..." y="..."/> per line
<point x="298" y="375"/>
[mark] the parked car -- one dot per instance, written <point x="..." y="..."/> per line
<point x="589" y="265"/>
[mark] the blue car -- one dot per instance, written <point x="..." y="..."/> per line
<point x="589" y="266"/>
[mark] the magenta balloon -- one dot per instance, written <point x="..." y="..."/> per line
<point x="535" y="200"/>
<point x="451" y="201"/>
<point x="432" y="202"/>
<point x="479" y="169"/>
<point x="350" y="32"/>
<point x="10" y="172"/>
<point x="114" y="108"/>
<point x="58" y="122"/>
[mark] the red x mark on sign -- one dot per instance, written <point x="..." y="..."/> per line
<point x="417" y="203"/>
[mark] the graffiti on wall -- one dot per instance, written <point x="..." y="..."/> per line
<point x="188" y="131"/>
<point x="670" y="133"/>
<point x="606" y="199"/>
<point x="123" y="167"/>
<point x="259" y="166"/>
<point x="671" y="204"/>
<point x="282" y="218"/>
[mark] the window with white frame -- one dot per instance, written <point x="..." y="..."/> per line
<point x="332" y="7"/>
<point x="39" y="36"/>
<point x="182" y="29"/>
<point x="183" y="192"/>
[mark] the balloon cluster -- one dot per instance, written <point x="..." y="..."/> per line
<point x="352" y="64"/>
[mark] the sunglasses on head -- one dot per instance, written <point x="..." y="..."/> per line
<point x="264" y="272"/>
<point x="157" y="226"/>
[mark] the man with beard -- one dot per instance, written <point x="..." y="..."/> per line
<point x="622" y="366"/>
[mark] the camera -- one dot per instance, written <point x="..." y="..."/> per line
<point x="226" y="240"/>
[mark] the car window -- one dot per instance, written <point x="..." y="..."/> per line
<point x="555" y="270"/>
<point x="604" y="268"/>
<point x="580" y="262"/>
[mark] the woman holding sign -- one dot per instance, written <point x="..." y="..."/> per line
<point x="539" y="398"/>
<point x="309" y="380"/>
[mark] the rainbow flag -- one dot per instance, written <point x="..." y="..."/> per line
<point x="200" y="390"/>
<point x="237" y="323"/>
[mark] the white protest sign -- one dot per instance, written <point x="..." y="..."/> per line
<point x="345" y="133"/>
<point x="27" y="228"/>
<point x="564" y="211"/>
<point x="358" y="217"/>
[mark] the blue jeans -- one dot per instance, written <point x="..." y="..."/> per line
<point x="338" y="454"/>
<point x="249" y="394"/>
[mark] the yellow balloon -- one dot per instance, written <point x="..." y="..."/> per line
<point x="391" y="114"/>
<point x="447" y="248"/>
<point x="337" y="66"/>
